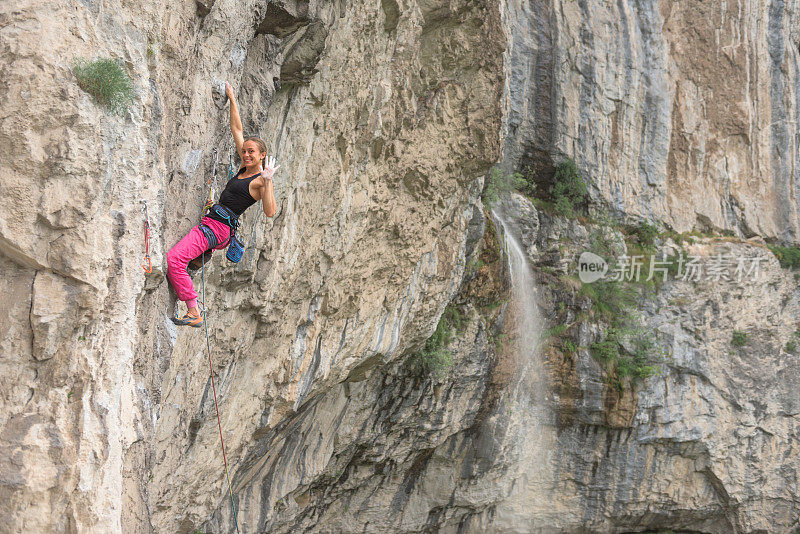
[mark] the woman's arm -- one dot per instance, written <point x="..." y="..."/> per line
<point x="236" y="122"/>
<point x="268" y="199"/>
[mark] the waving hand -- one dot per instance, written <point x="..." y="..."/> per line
<point x="269" y="168"/>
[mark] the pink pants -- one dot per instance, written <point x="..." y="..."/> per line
<point x="191" y="246"/>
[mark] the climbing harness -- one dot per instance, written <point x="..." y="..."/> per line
<point x="235" y="245"/>
<point x="148" y="263"/>
<point x="210" y="237"/>
<point x="216" y="405"/>
<point x="230" y="219"/>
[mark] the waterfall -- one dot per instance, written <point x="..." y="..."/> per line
<point x="529" y="322"/>
<point x="528" y="402"/>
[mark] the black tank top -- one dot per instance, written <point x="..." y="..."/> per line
<point x="236" y="195"/>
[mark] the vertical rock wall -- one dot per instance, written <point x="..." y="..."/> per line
<point x="709" y="443"/>
<point x="685" y="112"/>
<point x="383" y="116"/>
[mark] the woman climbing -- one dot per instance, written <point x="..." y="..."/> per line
<point x="252" y="183"/>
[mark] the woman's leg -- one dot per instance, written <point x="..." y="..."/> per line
<point x="179" y="256"/>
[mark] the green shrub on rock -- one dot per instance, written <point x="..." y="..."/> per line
<point x="500" y="184"/>
<point x="106" y="81"/>
<point x="435" y="358"/>
<point x="645" y="233"/>
<point x="638" y="363"/>
<point x="788" y="257"/>
<point x="569" y="189"/>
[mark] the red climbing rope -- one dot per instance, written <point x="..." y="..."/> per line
<point x="211" y="181"/>
<point x="216" y="405"/>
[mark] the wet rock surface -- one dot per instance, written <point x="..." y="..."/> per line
<point x="681" y="449"/>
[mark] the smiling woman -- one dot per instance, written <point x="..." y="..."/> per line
<point x="252" y="183"/>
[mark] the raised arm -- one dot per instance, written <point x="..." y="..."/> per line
<point x="236" y="122"/>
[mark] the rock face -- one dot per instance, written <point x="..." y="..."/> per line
<point x="472" y="452"/>
<point x="708" y="444"/>
<point x="385" y="117"/>
<point x="684" y="112"/>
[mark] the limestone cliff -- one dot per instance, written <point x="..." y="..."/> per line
<point x="706" y="444"/>
<point x="386" y="117"/>
<point x="686" y="112"/>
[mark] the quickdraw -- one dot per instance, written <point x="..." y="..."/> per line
<point x="209" y="201"/>
<point x="213" y="178"/>
<point x="148" y="263"/>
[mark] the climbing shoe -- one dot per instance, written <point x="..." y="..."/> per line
<point x="188" y="320"/>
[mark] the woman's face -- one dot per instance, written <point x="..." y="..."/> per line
<point x="251" y="154"/>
